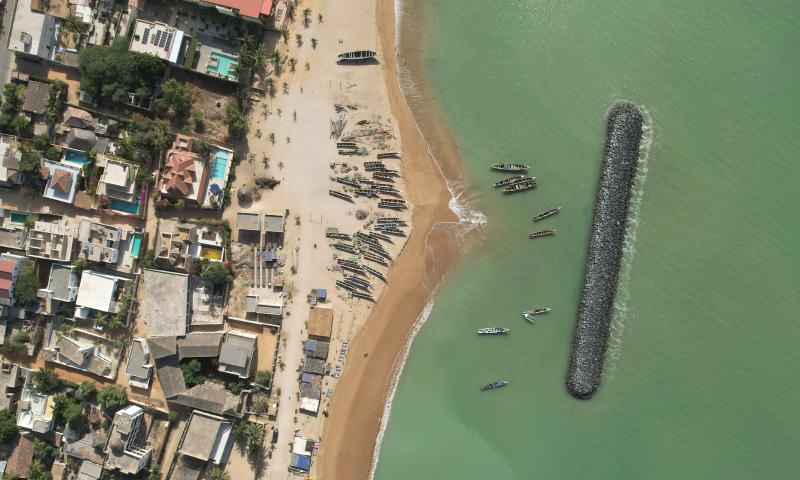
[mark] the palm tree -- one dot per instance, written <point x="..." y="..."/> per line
<point x="269" y="85"/>
<point x="290" y="11"/>
<point x="285" y="35"/>
<point x="219" y="474"/>
<point x="306" y="15"/>
<point x="247" y="40"/>
<point x="258" y="59"/>
<point x="313" y="43"/>
<point x="298" y="38"/>
<point x="292" y="63"/>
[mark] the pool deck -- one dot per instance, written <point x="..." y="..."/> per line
<point x="204" y="53"/>
<point x="220" y="182"/>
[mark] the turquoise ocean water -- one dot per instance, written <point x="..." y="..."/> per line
<point x="701" y="380"/>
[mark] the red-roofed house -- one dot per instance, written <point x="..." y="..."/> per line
<point x="20" y="459"/>
<point x="10" y="266"/>
<point x="185" y="172"/>
<point x="252" y="10"/>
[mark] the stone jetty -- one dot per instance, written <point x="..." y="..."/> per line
<point x="623" y="135"/>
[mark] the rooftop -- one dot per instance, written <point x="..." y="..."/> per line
<point x="273" y="223"/>
<point x="97" y="291"/>
<point x="184" y="174"/>
<point x="320" y="322"/>
<point x="36" y="97"/>
<point x="62" y="283"/>
<point x="247" y="8"/>
<point x="157" y="39"/>
<point x="236" y="354"/>
<point x="207" y="437"/>
<point x="248" y="221"/>
<point x="124" y="451"/>
<point x="50" y="240"/>
<point x="32" y="30"/>
<point x="139" y="368"/>
<point x="82" y="356"/>
<point x="199" y="345"/>
<point x="61" y="181"/>
<point x="77" y="118"/>
<point x="167" y="309"/>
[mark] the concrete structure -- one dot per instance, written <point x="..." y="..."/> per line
<point x="167" y="309"/>
<point x="10" y="266"/>
<point x="87" y="357"/>
<point x="51" y="240"/>
<point x="35" y="411"/>
<point x="62" y="284"/>
<point x="33" y="33"/>
<point x="236" y="353"/>
<point x="11" y="379"/>
<point x="97" y="292"/>
<point x="269" y="309"/>
<point x="119" y="181"/>
<point x="274" y="224"/>
<point x="77" y="118"/>
<point x="177" y="243"/>
<point x="61" y="181"/>
<point x="124" y="451"/>
<point x="185" y="173"/>
<point x="111" y="246"/>
<point x="200" y="345"/>
<point x="10" y="155"/>
<point x="37" y="97"/>
<point x="90" y="471"/>
<point x="207" y="438"/>
<point x="140" y="367"/>
<point x="157" y="39"/>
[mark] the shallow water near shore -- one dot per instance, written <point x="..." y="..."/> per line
<point x="699" y="377"/>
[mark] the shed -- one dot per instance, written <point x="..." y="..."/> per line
<point x="248" y="221"/>
<point x="320" y="323"/>
<point x="301" y="462"/>
<point x="273" y="223"/>
<point x="314" y="365"/>
<point x="317" y="349"/>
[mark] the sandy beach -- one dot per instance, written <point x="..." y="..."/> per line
<point x="357" y="407"/>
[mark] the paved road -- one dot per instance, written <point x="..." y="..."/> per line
<point x="7" y="63"/>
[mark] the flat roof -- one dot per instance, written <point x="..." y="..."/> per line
<point x="320" y="322"/>
<point x="273" y="223"/>
<point x="207" y="437"/>
<point x="96" y="291"/>
<point x="157" y="39"/>
<point x="167" y="306"/>
<point x="247" y="221"/>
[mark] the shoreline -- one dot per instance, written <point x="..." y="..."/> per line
<point x="361" y="398"/>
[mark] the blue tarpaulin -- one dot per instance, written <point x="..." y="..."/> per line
<point x="322" y="294"/>
<point x="301" y="462"/>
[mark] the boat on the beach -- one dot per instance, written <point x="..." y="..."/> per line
<point x="493" y="330"/>
<point x="338" y="194"/>
<point x="548" y="213"/>
<point x="493" y="385"/>
<point x="389" y="155"/>
<point x="542" y="233"/>
<point x="510" y="167"/>
<point x="357" y="56"/>
<point x="508" y="181"/>
<point x="520" y="187"/>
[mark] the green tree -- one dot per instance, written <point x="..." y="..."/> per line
<point x="215" y="272"/>
<point x="78" y="266"/>
<point x="8" y="426"/>
<point x="235" y="122"/>
<point x="172" y="417"/>
<point x="177" y="99"/>
<point x="38" y="471"/>
<point x="27" y="285"/>
<point x="55" y="104"/>
<point x="263" y="377"/>
<point x="306" y="16"/>
<point x="252" y="434"/>
<point x="30" y="162"/>
<point x="44" y="451"/>
<point x="19" y="342"/>
<point x="86" y="390"/>
<point x="45" y="380"/>
<point x="193" y="372"/>
<point x="109" y="73"/>
<point x="112" y="398"/>
<point x="202" y="146"/>
<point x="218" y="473"/>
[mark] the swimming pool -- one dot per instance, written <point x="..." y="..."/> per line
<point x="123" y="206"/>
<point x="19" y="218"/>
<point x="136" y="245"/>
<point x="220" y="164"/>
<point x="75" y="156"/>
<point x="225" y="64"/>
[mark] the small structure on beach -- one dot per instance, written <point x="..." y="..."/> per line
<point x="320" y="323"/>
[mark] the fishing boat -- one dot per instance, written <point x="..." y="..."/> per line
<point x="357" y="56"/>
<point x="493" y="385"/>
<point x="510" y="167"/>
<point x="546" y="214"/>
<point x="389" y="155"/>
<point x="520" y="187"/>
<point x="338" y="194"/>
<point x="536" y="311"/>
<point x="493" y="331"/>
<point x="508" y="181"/>
<point x="542" y="233"/>
<point x="530" y="318"/>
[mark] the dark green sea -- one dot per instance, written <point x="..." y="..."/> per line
<point x="702" y="374"/>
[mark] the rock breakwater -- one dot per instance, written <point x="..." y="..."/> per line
<point x="618" y="171"/>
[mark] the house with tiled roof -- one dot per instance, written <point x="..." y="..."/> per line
<point x="62" y="180"/>
<point x="250" y="10"/>
<point x="10" y="266"/>
<point x="185" y="173"/>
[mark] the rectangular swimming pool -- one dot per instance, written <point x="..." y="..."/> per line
<point x="19" y="218"/>
<point x="221" y="158"/>
<point x="75" y="156"/>
<point x="225" y="64"/>
<point x="123" y="206"/>
<point x="136" y="245"/>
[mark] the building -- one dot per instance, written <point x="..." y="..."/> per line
<point x="207" y="438"/>
<point x="33" y="32"/>
<point x="200" y="345"/>
<point x="320" y="323"/>
<point x="62" y="285"/>
<point x="77" y="118"/>
<point x="10" y="381"/>
<point x="98" y="292"/>
<point x="166" y="310"/>
<point x="51" y="240"/>
<point x="269" y="309"/>
<point x="249" y="10"/>
<point x="10" y="156"/>
<point x="185" y="173"/>
<point x="119" y="181"/>
<point x="177" y="243"/>
<point x="90" y="471"/>
<point x="108" y="245"/>
<point x="83" y="140"/>
<point x="157" y="39"/>
<point x="37" y="96"/>
<point x="316" y="349"/>
<point x="10" y="266"/>
<point x="19" y="460"/>
<point x="236" y="354"/>
<point x="124" y="451"/>
<point x="140" y="367"/>
<point x="62" y="180"/>
<point x="87" y="357"/>
<point x="35" y="410"/>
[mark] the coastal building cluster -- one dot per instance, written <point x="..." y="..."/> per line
<point x="145" y="288"/>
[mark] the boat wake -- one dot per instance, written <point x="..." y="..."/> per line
<point x="623" y="316"/>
